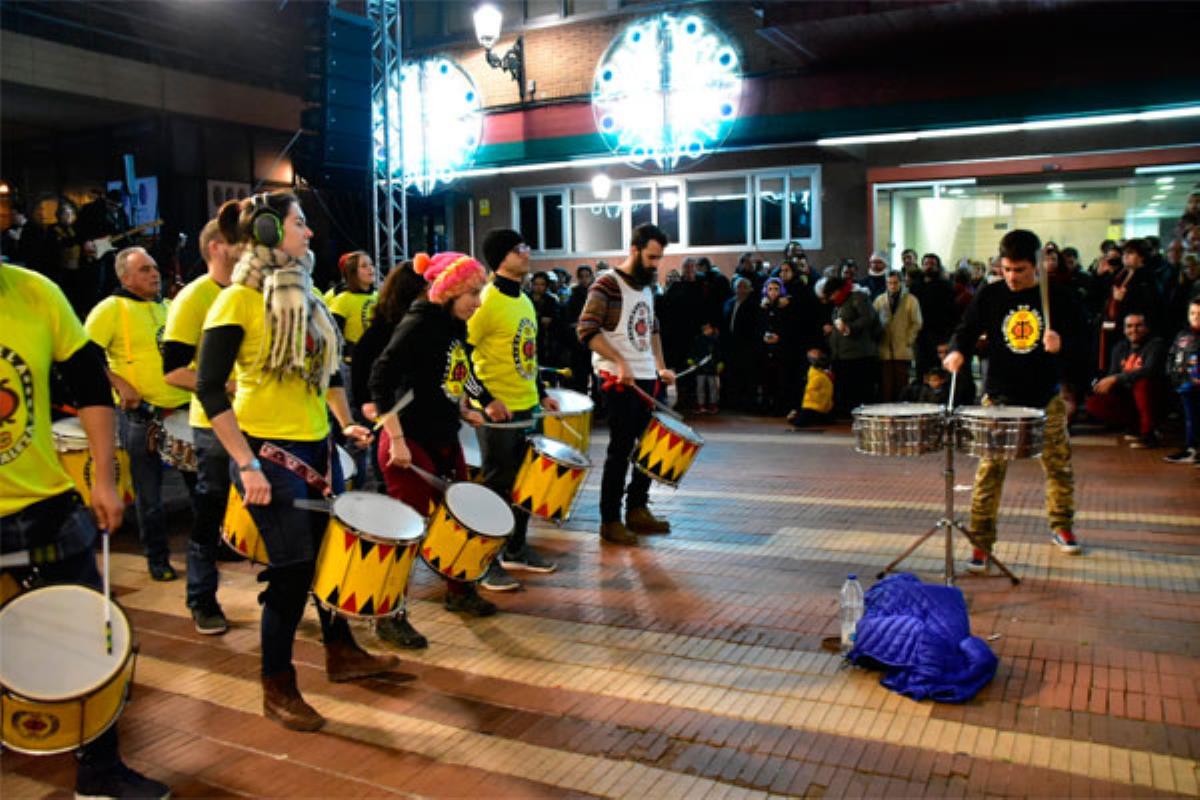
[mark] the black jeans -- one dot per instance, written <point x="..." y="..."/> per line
<point x="502" y="450"/>
<point x="209" y="498"/>
<point x="628" y="416"/>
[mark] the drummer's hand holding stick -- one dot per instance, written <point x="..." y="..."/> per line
<point x="398" y="453"/>
<point x="356" y="434"/>
<point x="107" y="506"/>
<point x="496" y="411"/>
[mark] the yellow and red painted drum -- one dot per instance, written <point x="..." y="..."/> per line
<point x="367" y="555"/>
<point x="466" y="532"/>
<point x="572" y="425"/>
<point x="72" y="445"/>
<point x="550" y="479"/>
<point x="239" y="531"/>
<point x="667" y="449"/>
<point x="59" y="686"/>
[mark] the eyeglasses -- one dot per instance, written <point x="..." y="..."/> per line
<point x="522" y="248"/>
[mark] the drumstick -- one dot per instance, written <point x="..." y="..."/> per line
<point x="108" y="636"/>
<point x="663" y="407"/>
<point x="322" y="506"/>
<point x="430" y="478"/>
<point x="404" y="400"/>
<point x="1044" y="283"/>
<point x="693" y="367"/>
<point x="953" y="384"/>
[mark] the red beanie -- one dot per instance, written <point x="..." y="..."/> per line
<point x="449" y="274"/>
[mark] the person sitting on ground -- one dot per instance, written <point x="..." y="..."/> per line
<point x="817" y="406"/>
<point x="1130" y="395"/>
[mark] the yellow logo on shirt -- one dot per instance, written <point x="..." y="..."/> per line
<point x="1022" y="329"/>
<point x="16" y="403"/>
<point x="457" y="371"/>
<point x="525" y="349"/>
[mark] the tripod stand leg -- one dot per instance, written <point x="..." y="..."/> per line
<point x="920" y="541"/>
<point x="999" y="564"/>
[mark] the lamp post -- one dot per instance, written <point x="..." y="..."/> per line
<point x="487" y="32"/>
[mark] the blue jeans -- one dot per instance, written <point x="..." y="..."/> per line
<point x="208" y="510"/>
<point x="1191" y="417"/>
<point x="146" y="469"/>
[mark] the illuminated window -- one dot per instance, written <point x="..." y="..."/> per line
<point x="438" y="118"/>
<point x="667" y="90"/>
<point x="595" y="223"/>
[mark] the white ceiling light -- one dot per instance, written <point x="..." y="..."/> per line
<point x="1054" y="187"/>
<point x="487" y="25"/>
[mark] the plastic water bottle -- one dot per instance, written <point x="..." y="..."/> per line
<point x="852" y="609"/>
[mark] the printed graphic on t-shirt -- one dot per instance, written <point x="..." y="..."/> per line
<point x="16" y="402"/>
<point x="1132" y="363"/>
<point x="458" y="370"/>
<point x="367" y="314"/>
<point x="639" y="327"/>
<point x="524" y="349"/>
<point x="1022" y="329"/>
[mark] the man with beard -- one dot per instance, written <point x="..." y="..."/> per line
<point x="936" y="297"/>
<point x="618" y="324"/>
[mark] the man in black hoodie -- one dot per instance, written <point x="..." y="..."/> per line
<point x="1130" y="395"/>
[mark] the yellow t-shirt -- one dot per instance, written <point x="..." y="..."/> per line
<point x="37" y="327"/>
<point x="185" y="323"/>
<point x="130" y="332"/>
<point x="358" y="309"/>
<point x="267" y="407"/>
<point x="504" y="334"/>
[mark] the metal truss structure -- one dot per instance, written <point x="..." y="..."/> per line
<point x="389" y="204"/>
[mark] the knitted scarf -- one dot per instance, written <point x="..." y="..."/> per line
<point x="302" y="338"/>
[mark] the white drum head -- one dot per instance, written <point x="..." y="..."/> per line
<point x="53" y="643"/>
<point x="570" y="402"/>
<point x="889" y="410"/>
<point x="562" y="453"/>
<point x="378" y="516"/>
<point x="480" y="509"/>
<point x="349" y="471"/>
<point x="1000" y="412"/>
<point x="69" y="435"/>
<point x="178" y="426"/>
<point x="678" y="427"/>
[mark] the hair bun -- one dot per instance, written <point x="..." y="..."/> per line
<point x="421" y="263"/>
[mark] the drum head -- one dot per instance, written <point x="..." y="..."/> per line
<point x="378" y="516"/>
<point x="54" y="645"/>
<point x="69" y="435"/>
<point x="570" y="402"/>
<point x="178" y="426"/>
<point x="349" y="471"/>
<point x="562" y="453"/>
<point x="678" y="427"/>
<point x="480" y="509"/>
<point x="1000" y="412"/>
<point x="890" y="410"/>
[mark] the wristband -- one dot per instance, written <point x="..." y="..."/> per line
<point x="253" y="466"/>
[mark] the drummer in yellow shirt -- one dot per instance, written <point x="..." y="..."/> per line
<point x="42" y="521"/>
<point x="353" y="310"/>
<point x="128" y="326"/>
<point x="181" y="341"/>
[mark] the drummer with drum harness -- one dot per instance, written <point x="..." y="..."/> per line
<point x="619" y="326"/>
<point x="129" y="325"/>
<point x="45" y="533"/>
<point x="1028" y="349"/>
<point x="185" y="323"/>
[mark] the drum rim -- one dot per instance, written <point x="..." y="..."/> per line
<point x="469" y="485"/>
<point x="983" y="412"/>
<point x="929" y="409"/>
<point x="673" y="425"/>
<point x="537" y="440"/>
<point x="128" y="651"/>
<point x="375" y="537"/>
<point x="561" y="394"/>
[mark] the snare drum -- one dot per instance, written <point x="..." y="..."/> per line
<point x="59" y="687"/>
<point x="367" y="555"/>
<point x="899" y="429"/>
<point x="72" y="445"/>
<point x="550" y="479"/>
<point x="466" y="532"/>
<point x="239" y="531"/>
<point x="1001" y="433"/>
<point x="572" y="424"/>
<point x="667" y="449"/>
<point x="175" y="446"/>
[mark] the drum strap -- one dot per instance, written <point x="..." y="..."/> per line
<point x="298" y="467"/>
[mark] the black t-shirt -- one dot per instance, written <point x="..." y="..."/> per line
<point x="1020" y="371"/>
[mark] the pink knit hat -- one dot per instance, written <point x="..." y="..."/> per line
<point x="449" y="274"/>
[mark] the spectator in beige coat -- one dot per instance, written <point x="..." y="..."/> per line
<point x="900" y="314"/>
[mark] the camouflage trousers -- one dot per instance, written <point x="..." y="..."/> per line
<point x="1060" y="479"/>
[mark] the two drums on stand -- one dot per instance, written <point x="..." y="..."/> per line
<point x="1002" y="433"/>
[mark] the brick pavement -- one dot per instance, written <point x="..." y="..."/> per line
<point x="691" y="667"/>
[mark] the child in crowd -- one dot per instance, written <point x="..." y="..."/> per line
<point x="1183" y="370"/>
<point x="818" y="393"/>
<point x="708" y="381"/>
<point x="934" y="389"/>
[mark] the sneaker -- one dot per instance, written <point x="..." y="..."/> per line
<point x="978" y="564"/>
<point x="497" y="580"/>
<point x="209" y="620"/>
<point x="1185" y="456"/>
<point x="116" y="781"/>
<point x="163" y="572"/>
<point x="398" y="631"/>
<point x="470" y="603"/>
<point x="1066" y="541"/>
<point x="1149" y="441"/>
<point x="527" y="560"/>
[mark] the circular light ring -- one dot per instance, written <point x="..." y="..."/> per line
<point x="436" y="123"/>
<point x="667" y="89"/>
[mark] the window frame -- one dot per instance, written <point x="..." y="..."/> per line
<point x="540" y="192"/>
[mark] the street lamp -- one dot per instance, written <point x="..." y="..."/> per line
<point x="487" y="32"/>
<point x="601" y="186"/>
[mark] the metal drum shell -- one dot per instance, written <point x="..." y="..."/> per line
<point x="899" y="429"/>
<point x="1000" y="433"/>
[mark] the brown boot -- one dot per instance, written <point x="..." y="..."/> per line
<point x="642" y="521"/>
<point x="346" y="661"/>
<point x="617" y="533"/>
<point x="282" y="702"/>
